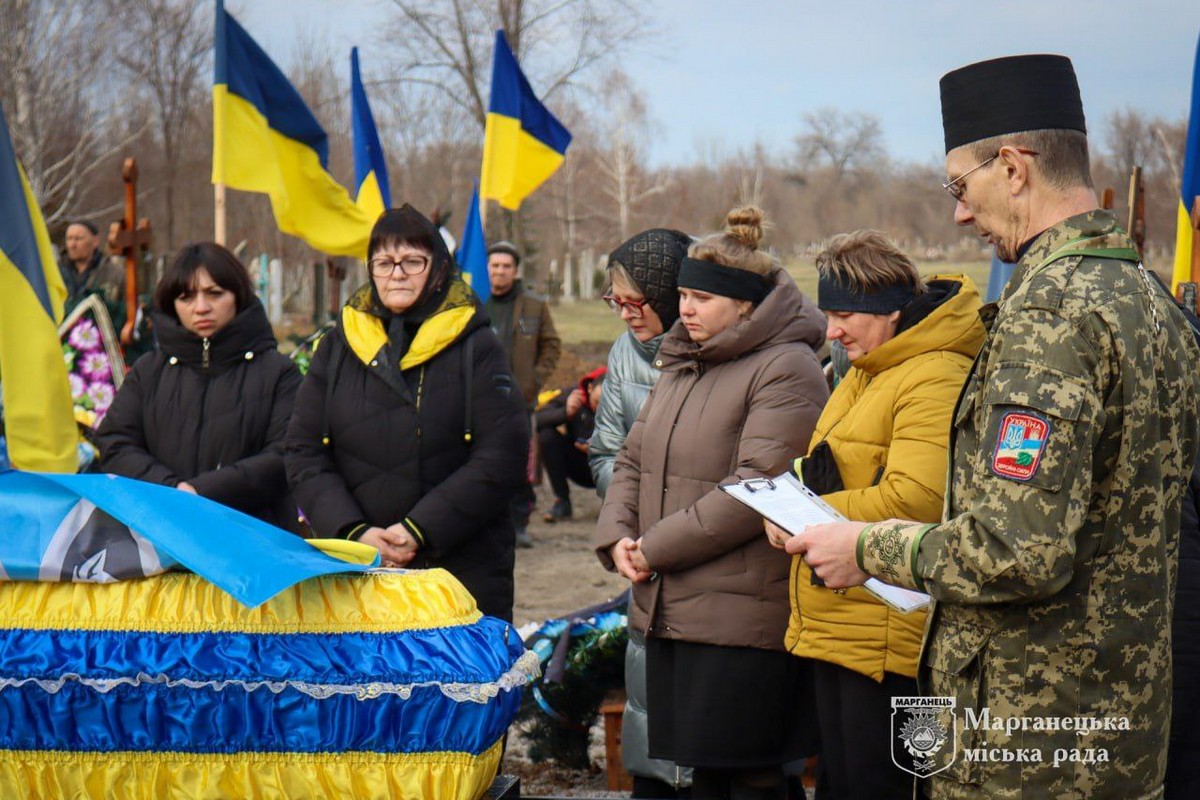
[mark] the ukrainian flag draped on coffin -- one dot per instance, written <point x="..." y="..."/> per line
<point x="1190" y="185"/>
<point x="38" y="416"/>
<point x="523" y="144"/>
<point x="388" y="684"/>
<point x="266" y="140"/>
<point x="370" y="167"/>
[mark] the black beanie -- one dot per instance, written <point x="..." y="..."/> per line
<point x="652" y="258"/>
<point x="1010" y="95"/>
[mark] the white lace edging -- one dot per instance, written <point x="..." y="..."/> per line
<point x="524" y="671"/>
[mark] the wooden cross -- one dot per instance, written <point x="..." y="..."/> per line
<point x="1137" y="211"/>
<point x="1196" y="239"/>
<point x="126" y="238"/>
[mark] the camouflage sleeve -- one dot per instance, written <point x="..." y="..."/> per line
<point x="1022" y="472"/>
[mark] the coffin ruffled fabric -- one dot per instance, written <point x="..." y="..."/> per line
<point x="376" y="683"/>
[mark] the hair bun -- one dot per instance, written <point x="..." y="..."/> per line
<point x="746" y="225"/>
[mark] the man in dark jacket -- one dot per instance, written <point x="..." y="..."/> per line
<point x="564" y="425"/>
<point x="85" y="272"/>
<point x="522" y="321"/>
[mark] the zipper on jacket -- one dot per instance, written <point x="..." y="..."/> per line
<point x="420" y="391"/>
<point x="204" y="354"/>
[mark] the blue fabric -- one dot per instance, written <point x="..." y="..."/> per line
<point x="17" y="239"/>
<point x="998" y="279"/>
<point x="251" y="560"/>
<point x="478" y="653"/>
<point x="472" y="252"/>
<point x="250" y="74"/>
<point x="512" y="96"/>
<point x="1190" y="185"/>
<point x="368" y="152"/>
<point x="157" y="718"/>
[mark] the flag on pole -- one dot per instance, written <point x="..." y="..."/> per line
<point x="370" y="168"/>
<point x="472" y="255"/>
<point x="38" y="417"/>
<point x="1190" y="186"/>
<point x="266" y="140"/>
<point x="523" y="144"/>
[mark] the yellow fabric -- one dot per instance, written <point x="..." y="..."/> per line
<point x="545" y="397"/>
<point x="1183" y="248"/>
<point x="182" y="602"/>
<point x="306" y="200"/>
<point x="514" y="163"/>
<point x="892" y="412"/>
<point x="39" y="414"/>
<point x="366" y="335"/>
<point x="369" y="198"/>
<point x="150" y="776"/>
<point x="346" y="550"/>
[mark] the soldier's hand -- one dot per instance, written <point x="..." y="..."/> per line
<point x="830" y="550"/>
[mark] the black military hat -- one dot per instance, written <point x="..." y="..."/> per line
<point x="1007" y="95"/>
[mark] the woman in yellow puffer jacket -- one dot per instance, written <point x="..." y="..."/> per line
<point x="879" y="451"/>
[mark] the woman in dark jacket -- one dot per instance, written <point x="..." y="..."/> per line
<point x="409" y="434"/>
<point x="208" y="411"/>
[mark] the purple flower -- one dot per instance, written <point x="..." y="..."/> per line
<point x="78" y="387"/>
<point x="84" y="336"/>
<point x="95" y="366"/>
<point x="101" y="395"/>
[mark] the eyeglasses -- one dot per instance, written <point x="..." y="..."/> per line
<point x="637" y="308"/>
<point x="382" y="266"/>
<point x="958" y="187"/>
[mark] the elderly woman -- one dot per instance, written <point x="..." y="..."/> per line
<point x="409" y="433"/>
<point x="879" y="451"/>
<point x="740" y="392"/>
<point x="208" y="412"/>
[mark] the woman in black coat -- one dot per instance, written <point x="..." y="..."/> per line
<point x="409" y="434"/>
<point x="208" y="411"/>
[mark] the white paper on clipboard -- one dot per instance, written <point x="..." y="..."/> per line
<point x="792" y="506"/>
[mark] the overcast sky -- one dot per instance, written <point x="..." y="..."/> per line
<point x="740" y="71"/>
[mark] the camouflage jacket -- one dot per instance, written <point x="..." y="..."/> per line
<point x="1053" y="571"/>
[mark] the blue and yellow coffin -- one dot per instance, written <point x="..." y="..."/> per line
<point x="383" y="683"/>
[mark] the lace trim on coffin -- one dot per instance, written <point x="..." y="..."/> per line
<point x="524" y="671"/>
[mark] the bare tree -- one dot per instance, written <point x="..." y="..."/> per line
<point x="59" y="98"/>
<point x="624" y="127"/>
<point x="164" y="46"/>
<point x="843" y="142"/>
<point x="446" y="45"/>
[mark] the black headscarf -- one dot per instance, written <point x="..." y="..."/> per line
<point x="652" y="258"/>
<point x="408" y="226"/>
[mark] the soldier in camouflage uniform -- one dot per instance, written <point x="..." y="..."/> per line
<point x="1053" y="572"/>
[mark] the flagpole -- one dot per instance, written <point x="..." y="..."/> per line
<point x="219" y="213"/>
<point x="483" y="213"/>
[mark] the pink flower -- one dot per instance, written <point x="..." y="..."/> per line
<point x="84" y="336"/>
<point x="95" y="366"/>
<point x="78" y="387"/>
<point x="101" y="395"/>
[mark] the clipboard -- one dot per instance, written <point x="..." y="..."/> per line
<point x="787" y="502"/>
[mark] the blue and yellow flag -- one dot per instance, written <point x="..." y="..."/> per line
<point x="523" y="144"/>
<point x="1190" y="187"/>
<point x="370" y="168"/>
<point x="266" y="140"/>
<point x="38" y="417"/>
<point x="472" y="253"/>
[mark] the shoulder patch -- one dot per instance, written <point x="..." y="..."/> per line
<point x="1020" y="442"/>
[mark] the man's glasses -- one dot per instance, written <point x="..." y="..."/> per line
<point x="958" y="187"/>
<point x="637" y="308"/>
<point x="382" y="266"/>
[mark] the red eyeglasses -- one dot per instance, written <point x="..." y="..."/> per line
<point x="636" y="307"/>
